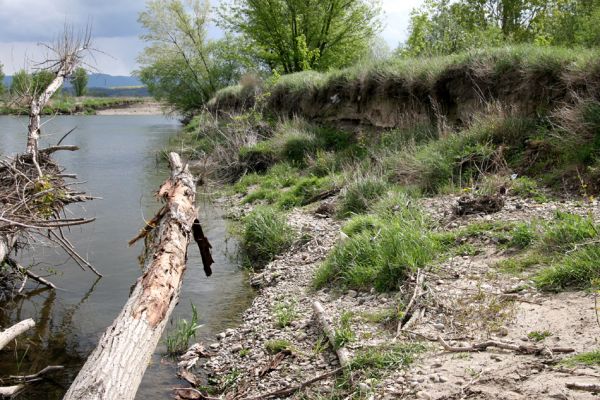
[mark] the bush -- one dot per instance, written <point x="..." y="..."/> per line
<point x="258" y="158"/>
<point x="575" y="270"/>
<point x="266" y="234"/>
<point x="522" y="236"/>
<point x="528" y="188"/>
<point x="359" y="195"/>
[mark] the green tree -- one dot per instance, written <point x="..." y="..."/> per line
<point x="180" y="65"/>
<point x="30" y="84"/>
<point x="296" y="35"/>
<point x="21" y="83"/>
<point x="79" y="80"/>
<point x="1" y="79"/>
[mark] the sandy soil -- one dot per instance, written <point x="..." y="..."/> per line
<point x="145" y="108"/>
<point x="465" y="303"/>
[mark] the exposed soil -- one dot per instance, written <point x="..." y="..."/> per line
<point x="467" y="301"/>
<point x="144" y="108"/>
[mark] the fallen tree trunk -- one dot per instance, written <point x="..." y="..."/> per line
<point x="115" y="368"/>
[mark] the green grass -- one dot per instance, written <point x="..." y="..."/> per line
<point x="522" y="235"/>
<point x="343" y="333"/>
<point x="265" y="234"/>
<point x="576" y="270"/>
<point x="566" y="230"/>
<point x="277" y="345"/>
<point x="517" y="265"/>
<point x="387" y="357"/>
<point x="591" y="358"/>
<point x="178" y="340"/>
<point x="539" y="336"/>
<point x="381" y="257"/>
<point x="360" y="194"/>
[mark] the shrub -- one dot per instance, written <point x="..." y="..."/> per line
<point x="359" y="195"/>
<point x="277" y="345"/>
<point x="266" y="234"/>
<point x="575" y="270"/>
<point x="258" y="158"/>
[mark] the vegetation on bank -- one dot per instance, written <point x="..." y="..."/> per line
<point x="376" y="174"/>
<point x="68" y="105"/>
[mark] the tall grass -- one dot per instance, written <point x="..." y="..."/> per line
<point x="265" y="234"/>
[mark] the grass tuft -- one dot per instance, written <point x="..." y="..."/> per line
<point x="576" y="270"/>
<point x="265" y="234"/>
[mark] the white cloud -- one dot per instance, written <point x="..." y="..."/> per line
<point x="396" y="19"/>
<point x="115" y="29"/>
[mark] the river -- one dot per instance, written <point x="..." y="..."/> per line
<point x="118" y="163"/>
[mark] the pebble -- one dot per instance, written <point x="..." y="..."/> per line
<point x="221" y="335"/>
<point x="423" y="395"/>
<point x="352" y="293"/>
<point x="364" y="388"/>
<point x="215" y="345"/>
<point x="236" y="347"/>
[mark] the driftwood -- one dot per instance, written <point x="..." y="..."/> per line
<point x="115" y="368"/>
<point x="342" y="352"/>
<point x="467" y="205"/>
<point x="517" y="348"/>
<point x="588" y="387"/>
<point x="410" y="310"/>
<point x="8" y="336"/>
<point x="11" y="333"/>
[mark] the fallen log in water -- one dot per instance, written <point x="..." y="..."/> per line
<point x="115" y="368"/>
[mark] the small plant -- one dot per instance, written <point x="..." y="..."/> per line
<point x="344" y="333"/>
<point x="277" y="345"/>
<point x="266" y="234"/>
<point x="522" y="236"/>
<point x="538" y="336"/>
<point x="178" y="341"/>
<point x="387" y="356"/>
<point x="528" y="188"/>
<point x="285" y="312"/>
<point x="591" y="358"/>
<point x="244" y="352"/>
<point x="523" y="263"/>
<point x="320" y="345"/>
<point x="388" y="316"/>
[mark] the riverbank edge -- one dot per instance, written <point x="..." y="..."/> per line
<point x="115" y="106"/>
<point x="241" y="363"/>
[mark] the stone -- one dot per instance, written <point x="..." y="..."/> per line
<point x="352" y="293"/>
<point x="221" y="336"/>
<point x="364" y="388"/>
<point x="423" y="395"/>
<point x="236" y="347"/>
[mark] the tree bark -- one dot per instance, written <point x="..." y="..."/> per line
<point x="115" y="368"/>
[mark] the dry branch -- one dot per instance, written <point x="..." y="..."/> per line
<point x="588" y="387"/>
<point x="518" y="348"/>
<point x="413" y="303"/>
<point x="11" y="333"/>
<point x="115" y="368"/>
<point x="342" y="352"/>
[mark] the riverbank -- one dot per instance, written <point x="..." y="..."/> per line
<point x="66" y="105"/>
<point x="471" y="297"/>
<point x="448" y="226"/>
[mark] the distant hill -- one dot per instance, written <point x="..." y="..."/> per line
<point x="106" y="85"/>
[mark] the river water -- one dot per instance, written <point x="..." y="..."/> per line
<point x="117" y="162"/>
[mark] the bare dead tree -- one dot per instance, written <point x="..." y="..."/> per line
<point x="33" y="190"/>
<point x="67" y="53"/>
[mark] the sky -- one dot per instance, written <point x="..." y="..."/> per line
<point x="115" y="29"/>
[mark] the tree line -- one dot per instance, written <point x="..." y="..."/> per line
<point x="24" y="83"/>
<point x="182" y="66"/>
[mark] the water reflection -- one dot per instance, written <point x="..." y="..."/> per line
<point x="117" y="161"/>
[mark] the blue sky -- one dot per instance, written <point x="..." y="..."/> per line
<point x="115" y="29"/>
